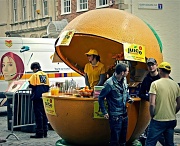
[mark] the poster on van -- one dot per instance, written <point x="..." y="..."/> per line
<point x="11" y="66"/>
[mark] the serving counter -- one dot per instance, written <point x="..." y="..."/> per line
<point x="74" y="121"/>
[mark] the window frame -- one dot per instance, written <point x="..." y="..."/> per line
<point x="15" y="14"/>
<point x="101" y="6"/>
<point x="79" y="5"/>
<point x="24" y="10"/>
<point x="45" y="9"/>
<point x="34" y="8"/>
<point x="63" y="7"/>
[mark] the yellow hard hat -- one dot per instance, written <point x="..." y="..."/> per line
<point x="92" y="52"/>
<point x="165" y="65"/>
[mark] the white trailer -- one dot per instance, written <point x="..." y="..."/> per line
<point x="35" y="50"/>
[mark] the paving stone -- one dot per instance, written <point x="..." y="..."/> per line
<point x="24" y="138"/>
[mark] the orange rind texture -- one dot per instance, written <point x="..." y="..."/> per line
<point x="116" y="25"/>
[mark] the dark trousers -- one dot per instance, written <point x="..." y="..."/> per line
<point x="118" y="126"/>
<point x="143" y="138"/>
<point x="157" y="128"/>
<point x="40" y="116"/>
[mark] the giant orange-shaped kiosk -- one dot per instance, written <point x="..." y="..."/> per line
<point x="104" y="30"/>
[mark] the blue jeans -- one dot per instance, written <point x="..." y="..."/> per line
<point x="118" y="126"/>
<point x="144" y="136"/>
<point x="157" y="128"/>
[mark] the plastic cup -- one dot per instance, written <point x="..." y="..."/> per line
<point x="52" y="91"/>
<point x="56" y="91"/>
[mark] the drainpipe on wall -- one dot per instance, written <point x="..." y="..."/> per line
<point x="122" y="5"/>
<point x="131" y="6"/>
<point x="54" y="10"/>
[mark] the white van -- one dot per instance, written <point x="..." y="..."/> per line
<point x="35" y="50"/>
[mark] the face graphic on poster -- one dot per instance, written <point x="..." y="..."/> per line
<point x="12" y="67"/>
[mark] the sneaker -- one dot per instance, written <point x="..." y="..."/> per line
<point x="2" y="140"/>
<point x="136" y="143"/>
<point x="37" y="136"/>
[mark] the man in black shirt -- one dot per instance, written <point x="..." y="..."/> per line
<point x="153" y="75"/>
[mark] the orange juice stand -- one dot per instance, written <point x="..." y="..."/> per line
<point x="108" y="31"/>
<point x="72" y="118"/>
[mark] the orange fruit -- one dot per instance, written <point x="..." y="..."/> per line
<point x="106" y="30"/>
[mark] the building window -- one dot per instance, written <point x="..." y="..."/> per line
<point x="33" y="9"/>
<point x="34" y="36"/>
<point x="24" y="10"/>
<point x="65" y="6"/>
<point x="102" y="3"/>
<point x="45" y="8"/>
<point x="82" y="5"/>
<point x="15" y="16"/>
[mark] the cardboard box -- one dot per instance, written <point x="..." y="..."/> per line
<point x="97" y="91"/>
<point x="134" y="88"/>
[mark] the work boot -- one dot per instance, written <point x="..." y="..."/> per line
<point x="45" y="134"/>
<point x="37" y="135"/>
<point x="2" y="140"/>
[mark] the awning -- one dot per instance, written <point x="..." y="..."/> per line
<point x="55" y="27"/>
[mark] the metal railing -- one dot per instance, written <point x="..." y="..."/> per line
<point x="22" y="110"/>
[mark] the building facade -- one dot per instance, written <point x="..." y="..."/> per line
<point x="69" y="9"/>
<point x="46" y="18"/>
<point x="26" y="18"/>
<point x="162" y="16"/>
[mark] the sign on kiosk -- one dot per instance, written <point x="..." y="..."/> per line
<point x="65" y="38"/>
<point x="49" y="106"/>
<point x="134" y="52"/>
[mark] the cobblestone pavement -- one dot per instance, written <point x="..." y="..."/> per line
<point x="24" y="138"/>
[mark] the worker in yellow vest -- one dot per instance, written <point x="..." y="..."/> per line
<point x="39" y="82"/>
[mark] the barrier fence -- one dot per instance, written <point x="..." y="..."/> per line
<point x="20" y="110"/>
